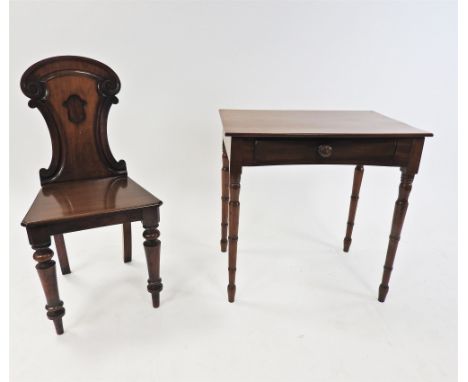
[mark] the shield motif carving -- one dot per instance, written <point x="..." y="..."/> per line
<point x="76" y="108"/>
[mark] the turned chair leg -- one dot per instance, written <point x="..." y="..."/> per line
<point x="234" y="206"/>
<point x="62" y="254"/>
<point x="358" y="173"/>
<point x="127" y="242"/>
<point x="401" y="206"/>
<point x="152" y="249"/>
<point x="47" y="274"/>
<point x="224" y="200"/>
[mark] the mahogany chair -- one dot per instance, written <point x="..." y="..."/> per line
<point x="84" y="186"/>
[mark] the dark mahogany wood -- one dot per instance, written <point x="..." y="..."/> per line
<point x="84" y="186"/>
<point x="224" y="200"/>
<point x="314" y="123"/>
<point x="399" y="213"/>
<point x="358" y="173"/>
<point x="62" y="254"/>
<point x="272" y="137"/>
<point x="152" y="246"/>
<point x="74" y="94"/>
<point x="127" y="241"/>
<point x="48" y="276"/>
<point x="235" y="172"/>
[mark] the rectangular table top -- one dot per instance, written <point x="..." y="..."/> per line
<point x="314" y="123"/>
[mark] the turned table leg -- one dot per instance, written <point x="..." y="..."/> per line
<point x="47" y="274"/>
<point x="401" y="205"/>
<point x="234" y="205"/>
<point x="62" y="254"/>
<point x="358" y="173"/>
<point x="152" y="249"/>
<point x="224" y="200"/>
<point x="127" y="241"/>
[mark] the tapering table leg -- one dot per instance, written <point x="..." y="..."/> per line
<point x="234" y="206"/>
<point x="127" y="241"/>
<point x="401" y="205"/>
<point x="62" y="254"/>
<point x="47" y="274"/>
<point x="224" y="200"/>
<point x="358" y="173"/>
<point x="152" y="250"/>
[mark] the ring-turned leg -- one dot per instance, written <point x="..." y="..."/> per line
<point x="127" y="242"/>
<point x="62" y="254"/>
<point x="358" y="173"/>
<point x="234" y="205"/>
<point x="224" y="200"/>
<point x="401" y="205"/>
<point x="46" y="270"/>
<point x="152" y="250"/>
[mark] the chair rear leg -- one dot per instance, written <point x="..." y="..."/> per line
<point x="62" y="254"/>
<point x="127" y="242"/>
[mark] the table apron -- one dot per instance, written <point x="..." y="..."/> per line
<point x="282" y="151"/>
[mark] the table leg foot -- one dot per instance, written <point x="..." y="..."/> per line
<point x="231" y="289"/>
<point x="383" y="290"/>
<point x="224" y="243"/>
<point x="346" y="244"/>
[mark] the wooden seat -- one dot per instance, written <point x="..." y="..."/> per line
<point x="88" y="200"/>
<point x="84" y="186"/>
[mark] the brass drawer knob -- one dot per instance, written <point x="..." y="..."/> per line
<point x="325" y="151"/>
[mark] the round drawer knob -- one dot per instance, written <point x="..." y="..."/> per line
<point x="325" y="151"/>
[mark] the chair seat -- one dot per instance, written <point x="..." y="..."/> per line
<point x="65" y="201"/>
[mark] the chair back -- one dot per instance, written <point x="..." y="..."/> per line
<point x="74" y="95"/>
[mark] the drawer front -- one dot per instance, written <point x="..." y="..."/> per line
<point x="297" y="151"/>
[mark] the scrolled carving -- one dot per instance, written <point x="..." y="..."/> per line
<point x="34" y="89"/>
<point x="109" y="87"/>
<point x="87" y="89"/>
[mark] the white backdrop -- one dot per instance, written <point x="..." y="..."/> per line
<point x="304" y="310"/>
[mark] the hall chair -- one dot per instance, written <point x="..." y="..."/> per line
<point x="84" y="186"/>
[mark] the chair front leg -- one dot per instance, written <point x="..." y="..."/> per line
<point x="152" y="249"/>
<point x="47" y="274"/>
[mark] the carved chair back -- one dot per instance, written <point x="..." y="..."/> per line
<point x="74" y="95"/>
